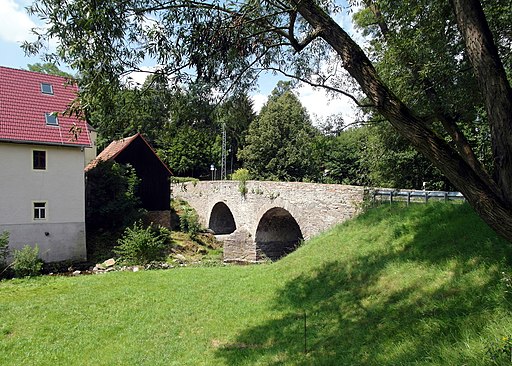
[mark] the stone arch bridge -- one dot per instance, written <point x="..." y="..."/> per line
<point x="271" y="219"/>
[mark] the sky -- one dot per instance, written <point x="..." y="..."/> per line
<point x="15" y="26"/>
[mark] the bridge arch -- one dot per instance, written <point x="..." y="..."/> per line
<point x="277" y="234"/>
<point x="221" y="219"/>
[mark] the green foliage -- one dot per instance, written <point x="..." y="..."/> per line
<point x="190" y="151"/>
<point x="111" y="200"/>
<point x="49" y="68"/>
<point x="184" y="180"/>
<point x="141" y="245"/>
<point x="189" y="221"/>
<point x="26" y="261"/>
<point x="237" y="114"/>
<point x="191" y="141"/>
<point x="134" y="108"/>
<point x="390" y="161"/>
<point x="500" y="352"/>
<point x="4" y="247"/>
<point x="420" y="55"/>
<point x="340" y="158"/>
<point x="242" y="175"/>
<point x="279" y="142"/>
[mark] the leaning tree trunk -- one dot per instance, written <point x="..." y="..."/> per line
<point x="493" y="83"/>
<point x="483" y="195"/>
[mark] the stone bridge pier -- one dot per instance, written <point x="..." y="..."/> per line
<point x="272" y="218"/>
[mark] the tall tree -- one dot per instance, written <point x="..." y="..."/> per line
<point x="224" y="41"/>
<point x="144" y="109"/>
<point x="236" y="114"/>
<point x="49" y="68"/>
<point x="279" y="141"/>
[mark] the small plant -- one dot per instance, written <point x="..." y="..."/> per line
<point x="500" y="352"/>
<point x="140" y="245"/>
<point x="26" y="261"/>
<point x="189" y="222"/>
<point x="273" y="195"/>
<point x="4" y="244"/>
<point x="506" y="280"/>
<point x="242" y="175"/>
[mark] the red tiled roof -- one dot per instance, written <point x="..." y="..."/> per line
<point x="111" y="151"/>
<point x="23" y="107"/>
<point x="116" y="147"/>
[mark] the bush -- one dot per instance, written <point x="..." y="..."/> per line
<point x="4" y="244"/>
<point x="111" y="200"/>
<point x="242" y="175"/>
<point x="26" y="261"/>
<point x="140" y="245"/>
<point x="189" y="222"/>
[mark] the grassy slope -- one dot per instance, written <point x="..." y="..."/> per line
<point x="396" y="286"/>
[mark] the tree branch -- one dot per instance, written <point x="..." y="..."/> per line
<point x="324" y="86"/>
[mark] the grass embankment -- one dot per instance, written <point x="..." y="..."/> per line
<point x="420" y="285"/>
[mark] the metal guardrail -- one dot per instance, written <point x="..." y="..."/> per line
<point x="415" y="196"/>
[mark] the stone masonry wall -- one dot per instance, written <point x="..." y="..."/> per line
<point x="315" y="207"/>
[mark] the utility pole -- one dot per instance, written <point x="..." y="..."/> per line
<point x="223" y="158"/>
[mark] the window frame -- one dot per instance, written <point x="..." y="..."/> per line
<point x="51" y="115"/>
<point x="47" y="92"/>
<point x="37" y="168"/>
<point x="40" y="213"/>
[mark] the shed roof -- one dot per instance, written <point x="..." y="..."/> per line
<point x="116" y="147"/>
<point x="23" y="106"/>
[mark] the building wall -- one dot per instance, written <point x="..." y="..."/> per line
<point x="92" y="151"/>
<point x="314" y="207"/>
<point x="61" y="236"/>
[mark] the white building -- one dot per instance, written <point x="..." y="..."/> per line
<point x="42" y="193"/>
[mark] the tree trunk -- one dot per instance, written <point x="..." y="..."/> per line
<point x="485" y="199"/>
<point x="492" y="79"/>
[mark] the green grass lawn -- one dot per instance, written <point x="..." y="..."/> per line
<point x="397" y="286"/>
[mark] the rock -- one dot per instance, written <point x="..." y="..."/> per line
<point x="76" y="273"/>
<point x="135" y="269"/>
<point x="109" y="262"/>
<point x="180" y="257"/>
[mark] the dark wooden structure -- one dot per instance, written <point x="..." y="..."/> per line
<point x="154" y="189"/>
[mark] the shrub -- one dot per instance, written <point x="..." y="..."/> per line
<point x="140" y="245"/>
<point x="26" y="261"/>
<point x="111" y="200"/>
<point x="4" y="244"/>
<point x="189" y="222"/>
<point x="242" y="175"/>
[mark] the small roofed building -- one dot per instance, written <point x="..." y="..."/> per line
<point x="154" y="189"/>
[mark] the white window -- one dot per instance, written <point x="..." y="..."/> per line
<point x="46" y="88"/>
<point x="39" y="210"/>
<point x="51" y="119"/>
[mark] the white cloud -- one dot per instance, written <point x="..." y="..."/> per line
<point x="320" y="105"/>
<point x="259" y="100"/>
<point x="15" y="24"/>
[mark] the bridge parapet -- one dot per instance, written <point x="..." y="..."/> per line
<point x="270" y="214"/>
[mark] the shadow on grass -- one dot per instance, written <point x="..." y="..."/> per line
<point x="416" y="303"/>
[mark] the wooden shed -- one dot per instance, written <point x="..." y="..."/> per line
<point x="154" y="190"/>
